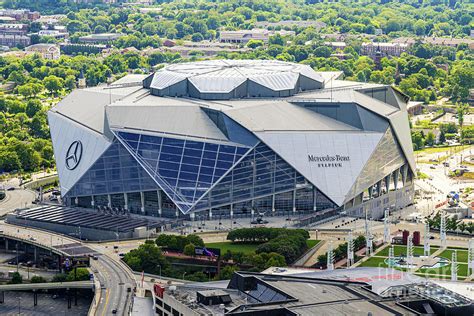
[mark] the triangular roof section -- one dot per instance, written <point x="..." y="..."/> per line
<point x="401" y="128"/>
<point x="330" y="161"/>
<point x="65" y="132"/>
<point x="184" y="169"/>
<point x="386" y="158"/>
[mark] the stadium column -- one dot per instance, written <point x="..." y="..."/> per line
<point x="395" y="178"/>
<point x="379" y="188"/>
<point x="109" y="201"/>
<point x="404" y="174"/>
<point x="273" y="203"/>
<point x="210" y="213"/>
<point x="231" y="211"/>
<point x="294" y="201"/>
<point x="315" y="195"/>
<point x="142" y="200"/>
<point x="125" y="199"/>
<point x="387" y="183"/>
<point x="160" y="203"/>
<point x="92" y="201"/>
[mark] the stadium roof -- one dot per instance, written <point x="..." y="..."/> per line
<point x="242" y="102"/>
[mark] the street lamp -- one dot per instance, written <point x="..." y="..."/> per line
<point x="184" y="273"/>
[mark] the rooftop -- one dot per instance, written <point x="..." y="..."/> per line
<point x="226" y="79"/>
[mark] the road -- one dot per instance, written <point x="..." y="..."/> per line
<point x="113" y="275"/>
<point x="17" y="198"/>
<point x="115" y="281"/>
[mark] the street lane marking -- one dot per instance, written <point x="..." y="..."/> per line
<point x="106" y="301"/>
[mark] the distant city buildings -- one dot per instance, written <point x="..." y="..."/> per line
<point x="386" y="49"/>
<point x="438" y="41"/>
<point x="47" y="51"/>
<point x="336" y="45"/>
<point x="291" y="23"/>
<point x="205" y="48"/>
<point x="20" y="14"/>
<point x="54" y="33"/>
<point x="10" y="28"/>
<point x="102" y="38"/>
<point x="244" y="36"/>
<point x="12" y="40"/>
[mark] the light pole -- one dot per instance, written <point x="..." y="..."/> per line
<point x="184" y="273"/>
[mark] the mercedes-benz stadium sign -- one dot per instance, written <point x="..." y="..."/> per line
<point x="74" y="155"/>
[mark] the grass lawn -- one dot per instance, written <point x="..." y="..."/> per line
<point x="374" y="262"/>
<point x="247" y="247"/>
<point x="377" y="262"/>
<point x="312" y="242"/>
<point x="402" y="250"/>
<point x="434" y="150"/>
<point x="446" y="270"/>
<point x="462" y="255"/>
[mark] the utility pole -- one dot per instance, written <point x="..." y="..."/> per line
<point x="470" y="257"/>
<point x="368" y="237"/>
<point x="386" y="227"/>
<point x="391" y="257"/>
<point x="350" y="250"/>
<point x="442" y="230"/>
<point x="454" y="266"/>
<point x="330" y="257"/>
<point x="410" y="252"/>
<point x="426" y="240"/>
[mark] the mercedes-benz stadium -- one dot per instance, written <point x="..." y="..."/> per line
<point x="233" y="137"/>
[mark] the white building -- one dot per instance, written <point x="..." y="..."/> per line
<point x="47" y="51"/>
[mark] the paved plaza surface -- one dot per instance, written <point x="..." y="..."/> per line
<point x="21" y="303"/>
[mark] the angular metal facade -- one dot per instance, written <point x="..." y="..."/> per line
<point x="289" y="151"/>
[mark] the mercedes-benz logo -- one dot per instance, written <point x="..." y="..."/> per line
<point x="74" y="155"/>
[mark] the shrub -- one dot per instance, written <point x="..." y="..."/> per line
<point x="38" y="279"/>
<point x="16" y="279"/>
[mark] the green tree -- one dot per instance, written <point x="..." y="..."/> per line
<point x="254" y="43"/>
<point x="189" y="250"/>
<point x="430" y="139"/>
<point x="53" y="84"/>
<point x="81" y="274"/>
<point x="16" y="278"/>
<point x="417" y="140"/>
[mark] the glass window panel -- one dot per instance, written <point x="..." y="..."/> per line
<point x="173" y="142"/>
<point x="188" y="176"/>
<point x="190" y="168"/>
<point x="192" y="153"/>
<point x="151" y="139"/>
<point x="172" y="150"/>
<point x="227" y="149"/>
<point x="210" y="155"/>
<point x="211" y="147"/>
<point x="195" y="145"/>
<point x="208" y="163"/>
<point x="170" y="158"/>
<point x="191" y="160"/>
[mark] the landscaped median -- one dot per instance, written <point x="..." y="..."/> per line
<point x="188" y="257"/>
<point x="379" y="259"/>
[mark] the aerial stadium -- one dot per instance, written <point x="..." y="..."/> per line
<point x="231" y="138"/>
